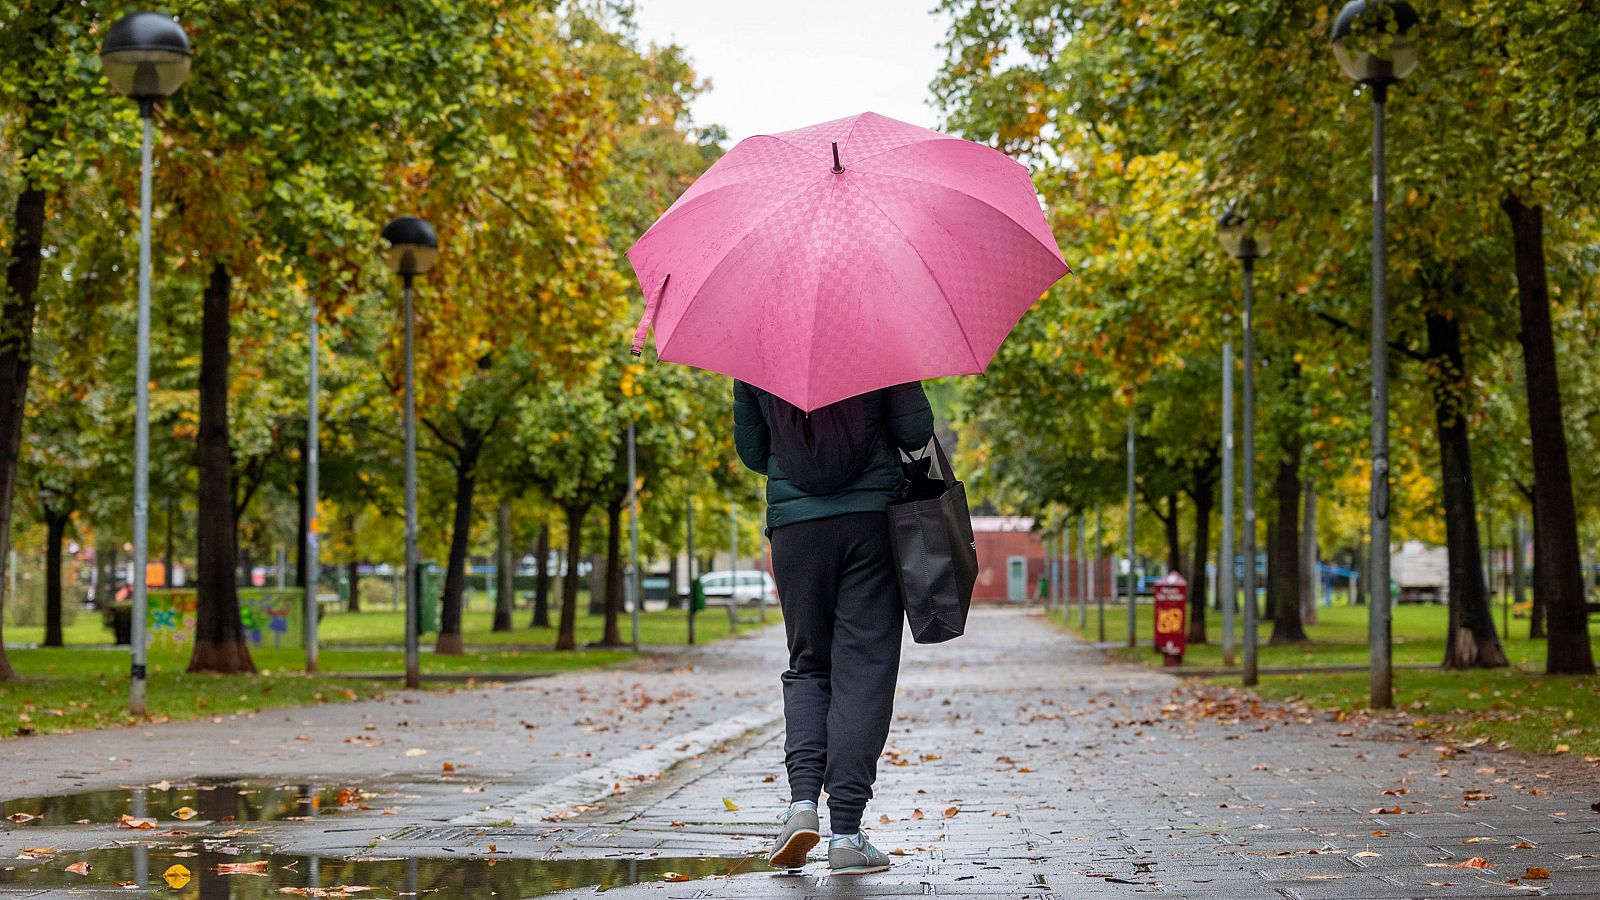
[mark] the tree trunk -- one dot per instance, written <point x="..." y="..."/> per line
<point x="1174" y="541"/>
<point x="541" y="584"/>
<point x="504" y="569"/>
<point x="1536" y="621"/>
<point x="613" y="634"/>
<point x="305" y="524"/>
<point x="1557" y="573"/>
<point x="1470" y="638"/>
<point x="455" y="573"/>
<point x="16" y="362"/>
<point x="566" y="639"/>
<point x="1204" y="497"/>
<point x="219" y="641"/>
<point x="1283" y="554"/>
<point x="1309" y="582"/>
<point x="352" y="576"/>
<point x="55" y="523"/>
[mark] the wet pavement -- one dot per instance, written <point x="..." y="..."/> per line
<point x="1022" y="764"/>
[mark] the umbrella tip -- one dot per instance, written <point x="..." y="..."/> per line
<point x="836" y="167"/>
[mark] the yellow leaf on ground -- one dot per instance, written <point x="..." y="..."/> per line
<point x="732" y="806"/>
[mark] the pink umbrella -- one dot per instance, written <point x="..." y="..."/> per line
<point x="845" y="257"/>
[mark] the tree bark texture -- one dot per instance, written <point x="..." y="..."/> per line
<point x="505" y="568"/>
<point x="1204" y="496"/>
<point x="1556" y="565"/>
<point x="219" y="640"/>
<point x="55" y="525"/>
<point x="1470" y="638"/>
<point x="1283" y="554"/>
<point x="613" y="563"/>
<point x="566" y="639"/>
<point x="455" y="573"/>
<point x="541" y="584"/>
<point x="16" y="363"/>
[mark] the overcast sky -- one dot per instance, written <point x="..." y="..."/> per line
<point x="781" y="64"/>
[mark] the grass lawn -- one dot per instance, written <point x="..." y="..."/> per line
<point x="1535" y="713"/>
<point x="85" y="686"/>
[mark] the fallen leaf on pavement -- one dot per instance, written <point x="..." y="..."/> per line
<point x="916" y="814"/>
<point x="1477" y="862"/>
<point x="674" y="876"/>
<point x="1479" y="840"/>
<point x="448" y="767"/>
<point x="1536" y="873"/>
<point x="883" y="820"/>
<point x="162" y="785"/>
<point x="1365" y="854"/>
<point x="677" y="824"/>
<point x="176" y="877"/>
<point x="21" y="818"/>
<point x="1524" y="845"/>
<point x="732" y="806"/>
<point x="769" y="779"/>
<point x="1380" y="834"/>
<point x="258" y="867"/>
<point x="1441" y="883"/>
<point x="897" y="852"/>
<point x="184" y="813"/>
<point x="952" y="812"/>
<point x="128" y="821"/>
<point x="79" y="868"/>
<point x="414" y="751"/>
<point x="338" y="890"/>
<point x="1395" y="792"/>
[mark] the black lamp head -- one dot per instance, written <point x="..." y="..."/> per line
<point x="413" y="246"/>
<point x="145" y="56"/>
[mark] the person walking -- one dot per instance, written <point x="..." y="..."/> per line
<point x="831" y="474"/>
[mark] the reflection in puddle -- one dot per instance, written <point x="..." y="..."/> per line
<point x="143" y="866"/>
<point x="214" y="801"/>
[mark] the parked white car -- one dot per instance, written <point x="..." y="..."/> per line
<point x="743" y="586"/>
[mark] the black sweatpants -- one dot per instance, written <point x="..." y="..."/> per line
<point x="842" y="613"/>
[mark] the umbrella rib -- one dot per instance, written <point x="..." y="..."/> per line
<point x="998" y="211"/>
<point x="920" y="258"/>
<point x="661" y="349"/>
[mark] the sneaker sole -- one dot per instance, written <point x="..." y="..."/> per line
<point x="859" y="870"/>
<point x="792" y="855"/>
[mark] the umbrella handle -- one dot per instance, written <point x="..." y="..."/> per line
<point x="652" y="305"/>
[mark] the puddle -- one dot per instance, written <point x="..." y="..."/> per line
<point x="503" y="879"/>
<point x="212" y="801"/>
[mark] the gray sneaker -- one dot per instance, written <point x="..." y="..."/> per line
<point x="800" y="833"/>
<point x="845" y="858"/>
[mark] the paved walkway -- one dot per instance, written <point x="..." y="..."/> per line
<point x="1022" y="764"/>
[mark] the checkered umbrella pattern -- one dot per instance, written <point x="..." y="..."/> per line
<point x="845" y="257"/>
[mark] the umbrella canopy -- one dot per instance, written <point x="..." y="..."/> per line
<point x="845" y="257"/>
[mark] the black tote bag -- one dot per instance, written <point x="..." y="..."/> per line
<point x="935" y="555"/>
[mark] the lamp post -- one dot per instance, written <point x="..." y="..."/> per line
<point x="1372" y="42"/>
<point x="1133" y="585"/>
<point x="1243" y="242"/>
<point x="413" y="249"/>
<point x="1227" y="585"/>
<point x="312" y="537"/>
<point x="145" y="57"/>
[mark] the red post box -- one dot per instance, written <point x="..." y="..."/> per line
<point x="1172" y="607"/>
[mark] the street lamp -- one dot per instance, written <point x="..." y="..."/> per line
<point x="1372" y="41"/>
<point x="413" y="249"/>
<point x="145" y="57"/>
<point x="1244" y="242"/>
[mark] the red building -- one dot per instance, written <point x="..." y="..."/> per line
<point x="1011" y="562"/>
<point x="1010" y="559"/>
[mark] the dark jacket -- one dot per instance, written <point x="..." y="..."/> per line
<point x="905" y="423"/>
